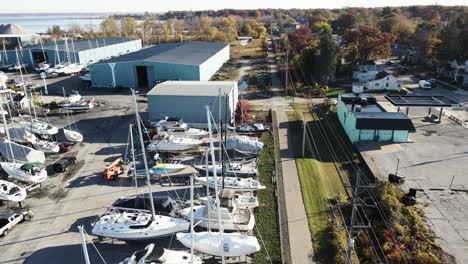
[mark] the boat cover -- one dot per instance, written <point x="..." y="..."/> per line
<point x="21" y="153"/>
<point x="243" y="144"/>
<point x="29" y="167"/>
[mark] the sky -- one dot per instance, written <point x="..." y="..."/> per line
<point x="100" y="6"/>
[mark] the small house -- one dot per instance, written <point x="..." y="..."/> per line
<point x="383" y="81"/>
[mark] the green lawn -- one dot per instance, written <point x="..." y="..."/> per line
<point x="319" y="182"/>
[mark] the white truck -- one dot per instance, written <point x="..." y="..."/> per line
<point x="10" y="219"/>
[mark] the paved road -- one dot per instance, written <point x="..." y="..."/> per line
<point x="300" y="241"/>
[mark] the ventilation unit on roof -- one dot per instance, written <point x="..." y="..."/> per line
<point x="358" y="108"/>
<point x="363" y="101"/>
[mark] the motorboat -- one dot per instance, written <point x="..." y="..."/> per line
<point x="221" y="244"/>
<point x="73" y="136"/>
<point x="237" y="184"/>
<point x="33" y="172"/>
<point x="47" y="147"/>
<point x="232" y="219"/>
<point x="253" y="128"/>
<point x="231" y="169"/>
<point x="11" y="192"/>
<point x="137" y="225"/>
<point x="173" y="143"/>
<point x="154" y="255"/>
<point x="78" y="106"/>
<point x="180" y="129"/>
<point x="243" y="144"/>
<point x="39" y="127"/>
<point x="74" y="97"/>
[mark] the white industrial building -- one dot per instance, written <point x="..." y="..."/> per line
<point x="187" y="100"/>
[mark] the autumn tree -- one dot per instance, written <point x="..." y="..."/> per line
<point x="370" y="42"/>
<point x="344" y="22"/>
<point x="325" y="62"/>
<point x="299" y="38"/>
<point x="109" y="27"/>
<point x="321" y="27"/>
<point x="55" y="31"/>
<point x="128" y="27"/>
<point x="425" y="42"/>
<point x="165" y="30"/>
<point x="228" y="27"/>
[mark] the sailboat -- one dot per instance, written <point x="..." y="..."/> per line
<point x="231" y="169"/>
<point x="138" y="225"/>
<point x="48" y="147"/>
<point x="179" y="128"/>
<point x="39" y="127"/>
<point x="218" y="243"/>
<point x="20" y="135"/>
<point x="5" y="65"/>
<point x="244" y="144"/>
<point x="229" y="198"/>
<point x="29" y="172"/>
<point x="72" y="135"/>
<point x="11" y="192"/>
<point x="233" y="183"/>
<point x="173" y="143"/>
<point x="154" y="255"/>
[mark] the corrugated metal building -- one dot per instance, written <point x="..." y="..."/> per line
<point x="170" y="61"/>
<point x="364" y="119"/>
<point x="187" y="100"/>
<point x="80" y="51"/>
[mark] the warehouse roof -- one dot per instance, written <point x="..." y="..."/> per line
<point x="80" y="45"/>
<point x="384" y="121"/>
<point x="193" y="88"/>
<point x="188" y="53"/>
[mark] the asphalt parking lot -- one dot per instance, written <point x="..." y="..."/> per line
<point x="436" y="161"/>
<point x="76" y="198"/>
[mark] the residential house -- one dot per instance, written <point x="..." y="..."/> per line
<point x="364" y="75"/>
<point x="383" y="81"/>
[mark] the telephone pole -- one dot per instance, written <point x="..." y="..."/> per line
<point x="286" y="77"/>
<point x="350" y="248"/>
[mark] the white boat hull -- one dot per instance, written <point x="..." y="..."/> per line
<point x="228" y="223"/>
<point x="11" y="192"/>
<point x="39" y="127"/>
<point x="168" y="146"/>
<point x="73" y="136"/>
<point x="166" y="257"/>
<point x="138" y="226"/>
<point x="46" y="146"/>
<point x="20" y="153"/>
<point x="14" y="171"/>
<point x="233" y="244"/>
<point x="237" y="184"/>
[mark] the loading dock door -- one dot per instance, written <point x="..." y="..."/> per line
<point x="142" y="76"/>
<point x="39" y="56"/>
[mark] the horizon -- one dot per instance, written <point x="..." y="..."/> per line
<point x="26" y="7"/>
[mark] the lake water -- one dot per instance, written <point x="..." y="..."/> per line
<point x="40" y="24"/>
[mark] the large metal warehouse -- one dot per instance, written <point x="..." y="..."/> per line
<point x="79" y="51"/>
<point x="187" y="100"/>
<point x="170" y="61"/>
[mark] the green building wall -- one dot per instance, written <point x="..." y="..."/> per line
<point x="348" y="121"/>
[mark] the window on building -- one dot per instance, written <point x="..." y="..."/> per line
<point x="376" y="84"/>
<point x="388" y="78"/>
<point x="386" y="85"/>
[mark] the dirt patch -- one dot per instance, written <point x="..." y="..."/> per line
<point x="429" y="133"/>
<point x="59" y="194"/>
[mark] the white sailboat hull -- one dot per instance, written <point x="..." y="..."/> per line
<point x="166" y="257"/>
<point x="163" y="145"/>
<point x="73" y="136"/>
<point x="228" y="222"/>
<point x="14" y="171"/>
<point x="233" y="245"/>
<point x="46" y="146"/>
<point x="38" y="127"/>
<point x="11" y="192"/>
<point x="138" y="226"/>
<point x="237" y="184"/>
<point x="20" y="153"/>
<point x="19" y="135"/>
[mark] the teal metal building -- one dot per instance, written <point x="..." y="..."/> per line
<point x="364" y="119"/>
<point x="79" y="51"/>
<point x="188" y="61"/>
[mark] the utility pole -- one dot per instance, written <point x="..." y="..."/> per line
<point x="303" y="134"/>
<point x="349" y="250"/>
<point x="286" y="77"/>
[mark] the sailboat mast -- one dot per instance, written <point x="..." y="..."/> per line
<point x="68" y="50"/>
<point x="58" y="53"/>
<point x="7" y="132"/>
<point x="22" y="81"/>
<point x="215" y="180"/>
<point x="143" y="150"/>
<point x="42" y="48"/>
<point x="133" y="155"/>
<point x="73" y="49"/>
<point x="191" y="220"/>
<point x="207" y="174"/>
<point x="4" y="51"/>
<point x="220" y="134"/>
<point x="83" y="245"/>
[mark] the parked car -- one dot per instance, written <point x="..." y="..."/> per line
<point x="10" y="219"/>
<point x="433" y="83"/>
<point x="65" y="147"/>
<point x="423" y="84"/>
<point x="62" y="164"/>
<point x="403" y="70"/>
